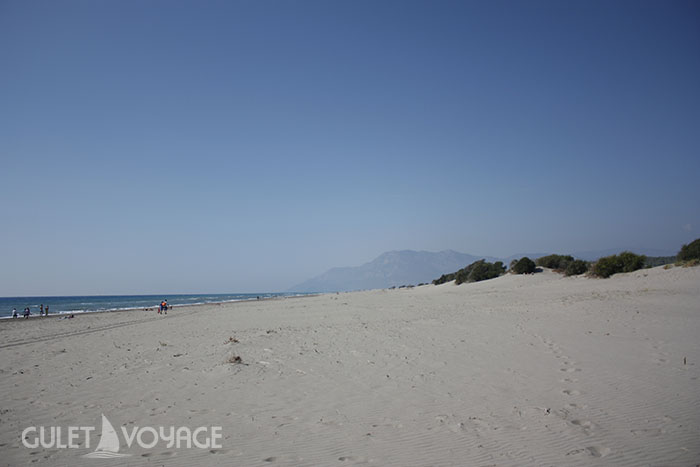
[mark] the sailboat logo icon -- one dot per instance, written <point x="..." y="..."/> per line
<point x="108" y="447"/>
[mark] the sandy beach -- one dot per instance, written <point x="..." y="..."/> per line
<point x="521" y="370"/>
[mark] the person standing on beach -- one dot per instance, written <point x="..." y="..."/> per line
<point x="27" y="313"/>
<point x="14" y="312"/>
<point x="46" y="311"/>
<point x="41" y="310"/>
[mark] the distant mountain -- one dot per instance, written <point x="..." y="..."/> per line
<point x="394" y="268"/>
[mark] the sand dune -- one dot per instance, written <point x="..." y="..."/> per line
<point x="519" y="370"/>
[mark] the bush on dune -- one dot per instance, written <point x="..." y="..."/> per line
<point x="690" y="252"/>
<point x="607" y="266"/>
<point x="576" y="267"/>
<point x="632" y="262"/>
<point x="475" y="272"/>
<point x="624" y="262"/>
<point x="479" y="271"/>
<point x="444" y="279"/>
<point x="556" y="262"/>
<point x="524" y="266"/>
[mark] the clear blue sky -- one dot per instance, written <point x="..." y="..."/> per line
<point x="242" y="146"/>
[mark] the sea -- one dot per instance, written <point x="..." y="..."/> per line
<point x="98" y="303"/>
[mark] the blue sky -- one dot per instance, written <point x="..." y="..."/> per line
<point x="242" y="146"/>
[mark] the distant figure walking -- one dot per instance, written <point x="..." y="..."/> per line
<point x="41" y="310"/>
<point x="14" y="312"/>
<point x="27" y="313"/>
<point x="46" y="311"/>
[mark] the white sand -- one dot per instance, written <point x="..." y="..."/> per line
<point x="519" y="370"/>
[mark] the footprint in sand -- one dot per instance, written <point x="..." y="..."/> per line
<point x="585" y="424"/>
<point x="571" y="392"/>
<point x="598" y="451"/>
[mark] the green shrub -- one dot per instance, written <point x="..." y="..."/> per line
<point x="624" y="262"/>
<point x="556" y="262"/>
<point x="477" y="271"/>
<point x="690" y="251"/>
<point x="462" y="275"/>
<point x="607" y="266"/>
<point x="524" y="266"/>
<point x="631" y="262"/>
<point x="486" y="271"/>
<point x="444" y="279"/>
<point x="576" y="267"/>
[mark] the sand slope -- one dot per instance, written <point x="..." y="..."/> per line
<point x="519" y="370"/>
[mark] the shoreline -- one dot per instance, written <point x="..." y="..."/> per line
<point x="146" y="309"/>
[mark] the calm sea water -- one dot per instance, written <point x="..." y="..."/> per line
<point x="117" y="302"/>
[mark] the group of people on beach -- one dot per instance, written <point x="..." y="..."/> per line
<point x="27" y="312"/>
<point x="44" y="310"/>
